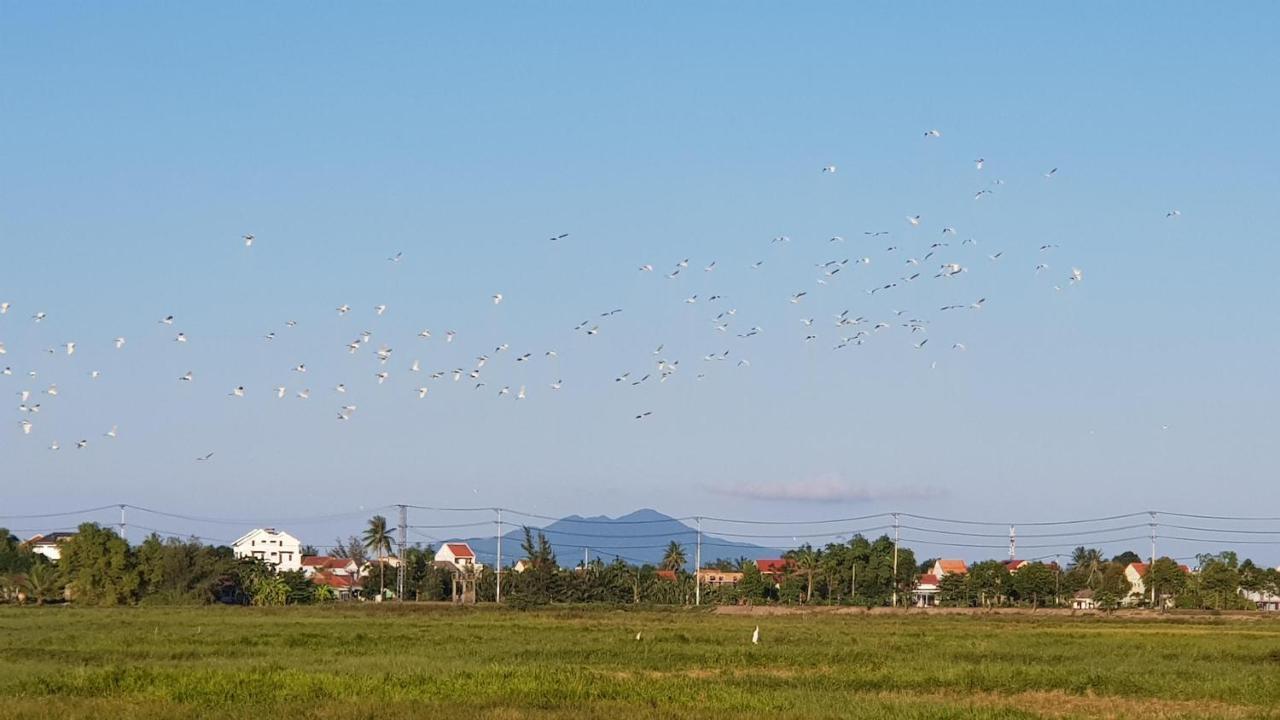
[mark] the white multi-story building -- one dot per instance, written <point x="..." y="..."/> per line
<point x="273" y="547"/>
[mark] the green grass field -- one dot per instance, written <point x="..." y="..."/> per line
<point x="391" y="662"/>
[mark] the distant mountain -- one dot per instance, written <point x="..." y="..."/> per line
<point x="640" y="537"/>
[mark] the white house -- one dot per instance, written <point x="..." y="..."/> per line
<point x="458" y="555"/>
<point x="49" y="545"/>
<point x="1136" y="573"/>
<point x="274" y="547"/>
<point x="1263" y="600"/>
<point x="1084" y="600"/>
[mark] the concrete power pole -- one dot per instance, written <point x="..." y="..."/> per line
<point x="1013" y="543"/>
<point x="401" y="539"/>
<point x="1151" y="568"/>
<point x="497" y="598"/>
<point x="124" y="527"/>
<point x="697" y="567"/>
<point x="895" y="559"/>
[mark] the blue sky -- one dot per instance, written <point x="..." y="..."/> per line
<point x="140" y="141"/>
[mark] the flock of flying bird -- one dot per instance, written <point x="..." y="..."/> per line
<point x="936" y="256"/>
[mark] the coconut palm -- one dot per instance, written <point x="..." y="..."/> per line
<point x="807" y="561"/>
<point x="378" y="539"/>
<point x="41" y="582"/>
<point x="674" y="558"/>
<point x="1088" y="560"/>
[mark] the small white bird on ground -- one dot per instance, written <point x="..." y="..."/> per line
<point x="755" y="635"/>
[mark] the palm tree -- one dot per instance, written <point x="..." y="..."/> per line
<point x="674" y="558"/>
<point x="1088" y="559"/>
<point x="807" y="561"/>
<point x="41" y="582"/>
<point x="377" y="539"/>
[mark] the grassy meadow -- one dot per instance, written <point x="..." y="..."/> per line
<point x="432" y="661"/>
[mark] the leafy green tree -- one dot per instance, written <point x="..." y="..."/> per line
<point x="674" y="557"/>
<point x="1127" y="558"/>
<point x="99" y="565"/>
<point x="989" y="580"/>
<point x="14" y="558"/>
<point x="1034" y="583"/>
<point x="301" y="590"/>
<point x="1165" y="578"/>
<point x="953" y="590"/>
<point x="351" y="549"/>
<point x="377" y="539"/>
<point x="175" y="572"/>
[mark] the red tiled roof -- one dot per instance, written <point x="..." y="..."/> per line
<point x="324" y="561"/>
<point x="339" y="582"/>
<point x="1141" y="568"/>
<point x="774" y="567"/>
<point x="667" y="575"/>
<point x="460" y="550"/>
<point x="928" y="579"/>
<point x="953" y="566"/>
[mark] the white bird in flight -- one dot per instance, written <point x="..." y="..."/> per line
<point x="829" y="169"/>
<point x="248" y="240"/>
<point x="497" y="298"/>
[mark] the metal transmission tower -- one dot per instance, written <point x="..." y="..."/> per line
<point x="401" y="540"/>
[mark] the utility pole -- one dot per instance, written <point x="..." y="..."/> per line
<point x="1013" y="543"/>
<point x="586" y="558"/>
<point x="401" y="540"/>
<point x="498" y="594"/>
<point x="124" y="527"/>
<point x="1152" y="567"/>
<point x="895" y="559"/>
<point x="853" y="582"/>
<point x="697" y="567"/>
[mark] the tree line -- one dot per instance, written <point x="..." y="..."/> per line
<point x="99" y="567"/>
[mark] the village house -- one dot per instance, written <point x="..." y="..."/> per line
<point x="344" y="586"/>
<point x="1083" y="600"/>
<point x="274" y="547"/>
<point x="929" y="584"/>
<point x="49" y="545"/>
<point x="458" y="556"/>
<point x="943" y="568"/>
<point x="521" y="565"/>
<point x="712" y="577"/>
<point x="342" y="567"/>
<point x="926" y="591"/>
<point x="1136" y="573"/>
<point x="774" y="570"/>
<point x="1263" y="600"/>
